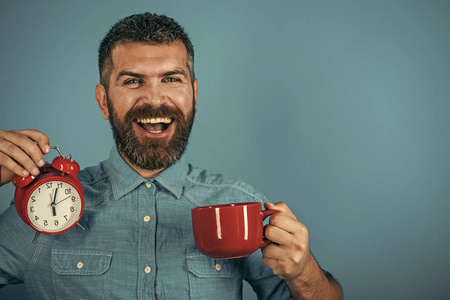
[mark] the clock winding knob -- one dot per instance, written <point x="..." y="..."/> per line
<point x="21" y="182"/>
<point x="66" y="165"/>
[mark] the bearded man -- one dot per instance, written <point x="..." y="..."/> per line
<point x="135" y="238"/>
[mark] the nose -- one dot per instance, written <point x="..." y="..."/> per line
<point x="153" y="94"/>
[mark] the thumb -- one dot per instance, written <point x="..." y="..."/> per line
<point x="269" y="205"/>
<point x="281" y="207"/>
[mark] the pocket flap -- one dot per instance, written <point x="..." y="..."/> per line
<point x="203" y="266"/>
<point x="80" y="262"/>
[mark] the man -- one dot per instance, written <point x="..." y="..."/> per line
<point x="136" y="240"/>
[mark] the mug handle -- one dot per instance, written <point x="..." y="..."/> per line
<point x="265" y="214"/>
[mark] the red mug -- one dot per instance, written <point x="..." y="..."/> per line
<point x="229" y="230"/>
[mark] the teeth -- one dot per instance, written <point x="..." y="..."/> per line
<point x="155" y="120"/>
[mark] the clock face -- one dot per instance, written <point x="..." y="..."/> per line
<point x="54" y="206"/>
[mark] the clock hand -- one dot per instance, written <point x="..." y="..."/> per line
<point x="51" y="200"/>
<point x="63" y="200"/>
<point x="53" y="203"/>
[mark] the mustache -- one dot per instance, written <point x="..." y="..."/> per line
<point x="149" y="111"/>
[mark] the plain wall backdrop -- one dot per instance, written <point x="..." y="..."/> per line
<point x="339" y="108"/>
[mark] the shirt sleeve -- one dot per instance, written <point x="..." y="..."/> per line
<point x="16" y="248"/>
<point x="263" y="281"/>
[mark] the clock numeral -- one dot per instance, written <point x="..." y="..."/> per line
<point x="33" y="198"/>
<point x="72" y="209"/>
<point x="39" y="190"/>
<point x="49" y="185"/>
<point x="45" y="222"/>
<point x="74" y="198"/>
<point x="68" y="191"/>
<point x="32" y="208"/>
<point x="36" y="218"/>
<point x="60" y="185"/>
<point x="56" y="222"/>
<point x="65" y="217"/>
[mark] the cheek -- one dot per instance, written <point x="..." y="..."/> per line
<point x="121" y="105"/>
<point x="183" y="100"/>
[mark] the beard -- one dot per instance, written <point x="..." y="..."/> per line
<point x="151" y="153"/>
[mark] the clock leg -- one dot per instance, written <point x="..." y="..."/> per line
<point x="36" y="237"/>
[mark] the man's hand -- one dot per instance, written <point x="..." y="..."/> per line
<point x="19" y="153"/>
<point x="288" y="254"/>
<point x="289" y="257"/>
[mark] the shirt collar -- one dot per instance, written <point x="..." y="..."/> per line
<point x="124" y="178"/>
<point x="173" y="178"/>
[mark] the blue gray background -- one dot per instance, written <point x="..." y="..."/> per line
<point x="339" y="108"/>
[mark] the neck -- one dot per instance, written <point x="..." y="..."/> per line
<point x="142" y="172"/>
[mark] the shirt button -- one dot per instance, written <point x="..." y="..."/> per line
<point x="149" y="185"/>
<point x="147" y="218"/>
<point x="218" y="267"/>
<point x="147" y="269"/>
<point x="80" y="265"/>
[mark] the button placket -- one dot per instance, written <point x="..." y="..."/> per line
<point x="147" y="207"/>
<point x="147" y="217"/>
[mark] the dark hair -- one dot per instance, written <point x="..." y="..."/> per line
<point x="144" y="28"/>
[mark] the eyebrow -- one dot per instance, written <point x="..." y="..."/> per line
<point x="140" y="76"/>
<point x="128" y="73"/>
<point x="175" y="72"/>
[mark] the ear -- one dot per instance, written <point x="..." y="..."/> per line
<point x="100" y="96"/>
<point x="195" y="94"/>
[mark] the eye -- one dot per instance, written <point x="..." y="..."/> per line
<point x="131" y="81"/>
<point x="171" y="79"/>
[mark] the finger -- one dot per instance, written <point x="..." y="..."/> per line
<point x="39" y="137"/>
<point x="10" y="164"/>
<point x="281" y="207"/>
<point x="282" y="268"/>
<point x="20" y="157"/>
<point x="277" y="235"/>
<point x="270" y="262"/>
<point x="279" y="267"/>
<point x="20" y="143"/>
<point x="15" y="159"/>
<point x="286" y="223"/>
<point x="273" y="251"/>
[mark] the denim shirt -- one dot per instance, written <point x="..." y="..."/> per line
<point x="137" y="241"/>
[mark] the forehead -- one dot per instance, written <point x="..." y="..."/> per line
<point x="135" y="56"/>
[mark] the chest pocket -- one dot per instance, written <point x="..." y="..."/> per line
<point x="81" y="274"/>
<point x="213" y="278"/>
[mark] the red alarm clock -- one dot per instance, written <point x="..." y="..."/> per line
<point x="51" y="202"/>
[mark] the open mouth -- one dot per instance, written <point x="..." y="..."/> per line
<point x="155" y="125"/>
